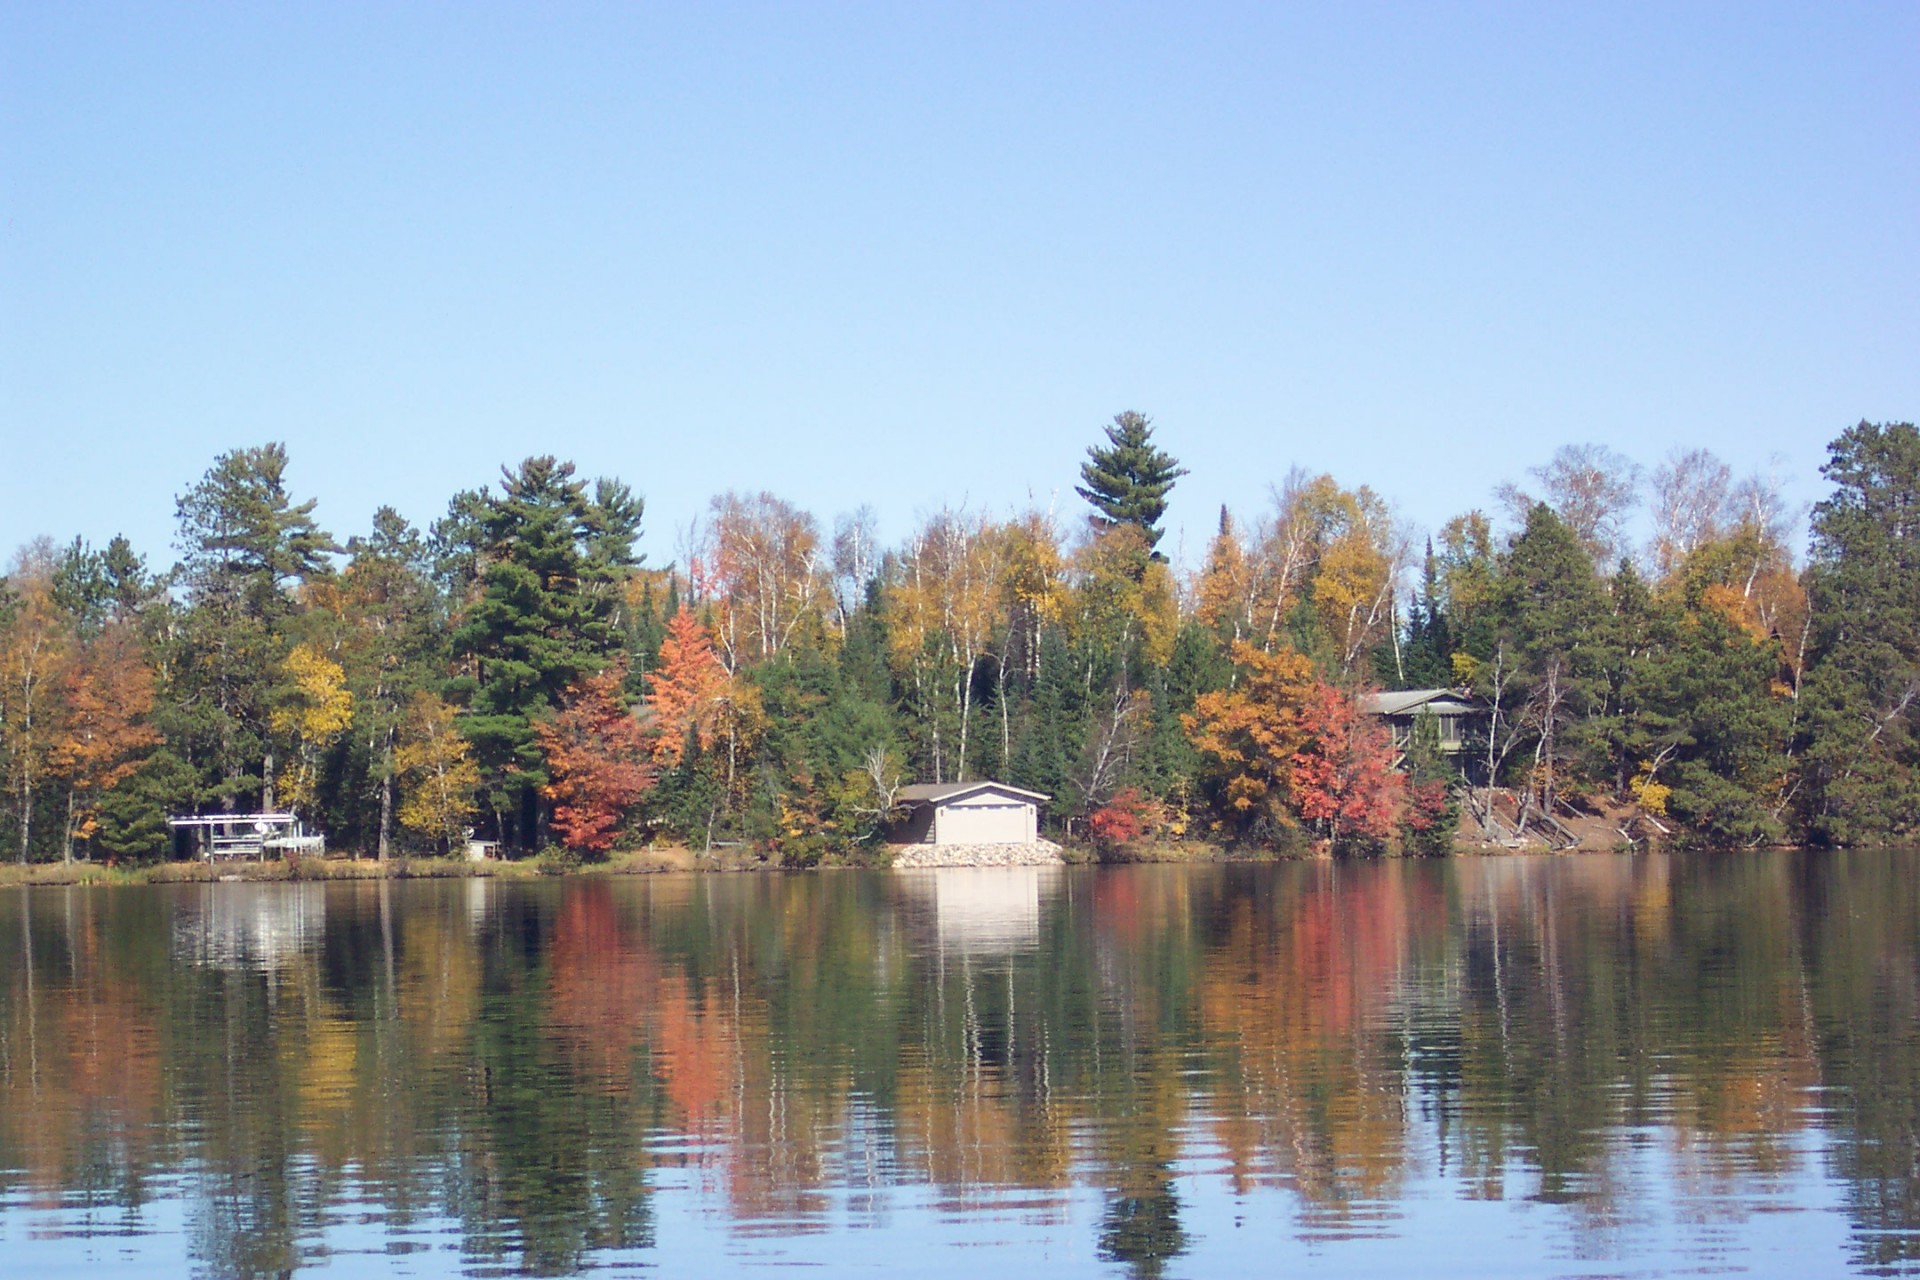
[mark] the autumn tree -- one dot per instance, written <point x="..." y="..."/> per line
<point x="35" y="648"/>
<point x="596" y="762"/>
<point x="1467" y="571"/>
<point x="1343" y="778"/>
<point x="761" y="556"/>
<point x="314" y="709"/>
<point x="944" y="601"/>
<point x="1122" y="605"/>
<point x="108" y="694"/>
<point x="1249" y="735"/>
<point x="1119" y="822"/>
<point x="1359" y="563"/>
<point x="436" y="771"/>
<point x="687" y="695"/>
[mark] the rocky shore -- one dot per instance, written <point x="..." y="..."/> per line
<point x="1040" y="853"/>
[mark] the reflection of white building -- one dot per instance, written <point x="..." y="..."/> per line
<point x="252" y="926"/>
<point x="985" y="910"/>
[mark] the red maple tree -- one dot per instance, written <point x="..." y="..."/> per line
<point x="1344" y="779"/>
<point x="596" y="762"/>
<point x="1120" y="821"/>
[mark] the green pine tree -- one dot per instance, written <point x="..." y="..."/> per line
<point x="1128" y="478"/>
<point x="1861" y="730"/>
<point x="546" y="615"/>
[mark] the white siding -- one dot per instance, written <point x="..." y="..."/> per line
<point x="985" y="820"/>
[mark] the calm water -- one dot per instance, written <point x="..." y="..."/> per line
<point x="1599" y="1066"/>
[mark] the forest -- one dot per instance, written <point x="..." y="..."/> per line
<point x="1678" y="644"/>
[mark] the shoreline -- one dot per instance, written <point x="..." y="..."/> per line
<point x="652" y="861"/>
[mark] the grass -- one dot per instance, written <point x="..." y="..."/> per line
<point x="629" y="862"/>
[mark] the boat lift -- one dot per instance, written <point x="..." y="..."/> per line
<point x="219" y="837"/>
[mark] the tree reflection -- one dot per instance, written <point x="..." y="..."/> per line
<point x="527" y="1060"/>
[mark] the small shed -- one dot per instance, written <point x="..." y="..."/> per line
<point x="968" y="813"/>
<point x="1456" y="715"/>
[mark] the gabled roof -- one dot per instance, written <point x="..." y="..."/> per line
<point x="1400" y="702"/>
<point x="938" y="793"/>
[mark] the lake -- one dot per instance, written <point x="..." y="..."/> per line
<point x="1583" y="1066"/>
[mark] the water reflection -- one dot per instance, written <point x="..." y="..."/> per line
<point x="984" y="911"/>
<point x="1553" y="1065"/>
<point x="261" y="926"/>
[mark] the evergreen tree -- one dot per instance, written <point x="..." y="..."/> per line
<point x="1426" y="657"/>
<point x="1861" y="735"/>
<point x="393" y="647"/>
<point x="1127" y="479"/>
<point x="245" y="546"/>
<point x="546" y="616"/>
<point x="1548" y="599"/>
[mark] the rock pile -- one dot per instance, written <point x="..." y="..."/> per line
<point x="1041" y="853"/>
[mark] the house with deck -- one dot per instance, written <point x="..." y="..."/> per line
<point x="1457" y="716"/>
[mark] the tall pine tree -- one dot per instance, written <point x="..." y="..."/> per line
<point x="1128" y="478"/>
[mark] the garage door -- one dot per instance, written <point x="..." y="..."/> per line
<point x="983" y="824"/>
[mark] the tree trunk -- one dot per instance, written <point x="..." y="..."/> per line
<point x="26" y="809"/>
<point x="266" y="783"/>
<point x="386" y="796"/>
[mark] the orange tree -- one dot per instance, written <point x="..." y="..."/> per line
<point x="596" y="762"/>
<point x="1248" y="736"/>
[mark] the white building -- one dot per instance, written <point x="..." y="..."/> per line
<point x="969" y="813"/>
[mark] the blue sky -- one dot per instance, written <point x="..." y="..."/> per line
<point x="909" y="255"/>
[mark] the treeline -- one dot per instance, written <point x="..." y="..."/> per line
<point x="517" y="671"/>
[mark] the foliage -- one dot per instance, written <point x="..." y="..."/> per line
<point x="1119" y="822"/>
<point x="787" y="683"/>
<point x="687" y="696"/>
<point x="1861" y="735"/>
<point x="108" y="692"/>
<point x="596" y="760"/>
<point x="437" y="771"/>
<point x="1343" y="780"/>
<point x="315" y="707"/>
<point x="1250" y="737"/>
<point x="1128" y="478"/>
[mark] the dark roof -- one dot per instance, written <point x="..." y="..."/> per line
<point x="1401" y="702"/>
<point x="940" y="792"/>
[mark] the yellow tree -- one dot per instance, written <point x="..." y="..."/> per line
<point x="1287" y="550"/>
<point x="34" y="649"/>
<point x="315" y="709"/>
<point x="944" y="610"/>
<point x="437" y="772"/>
<point x="1248" y="735"/>
<point x="1035" y="581"/>
<point x="1123" y="596"/>
<point x="1746" y="574"/>
<point x="762" y="558"/>
<point x="1360" y="559"/>
<point x="1221" y="595"/>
